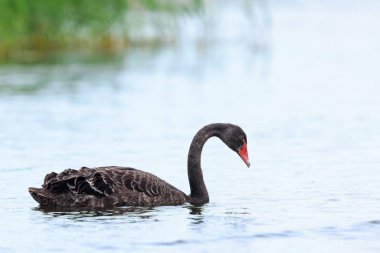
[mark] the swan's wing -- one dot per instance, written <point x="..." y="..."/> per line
<point x="143" y="182"/>
<point x="105" y="181"/>
<point x="83" y="181"/>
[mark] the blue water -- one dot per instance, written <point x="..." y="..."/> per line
<point x="305" y="90"/>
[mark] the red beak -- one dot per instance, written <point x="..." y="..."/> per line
<point x="243" y="153"/>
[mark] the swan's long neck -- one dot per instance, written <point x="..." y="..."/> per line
<point x="199" y="194"/>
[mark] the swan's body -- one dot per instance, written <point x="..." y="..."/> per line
<point x="122" y="186"/>
<point x="106" y="186"/>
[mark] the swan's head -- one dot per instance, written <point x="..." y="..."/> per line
<point x="235" y="138"/>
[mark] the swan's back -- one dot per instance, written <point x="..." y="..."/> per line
<point x="104" y="187"/>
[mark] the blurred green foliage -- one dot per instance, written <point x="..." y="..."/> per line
<point x="29" y="28"/>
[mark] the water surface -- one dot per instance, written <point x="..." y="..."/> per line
<point x="307" y="96"/>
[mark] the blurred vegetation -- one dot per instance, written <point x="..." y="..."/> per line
<point x="30" y="30"/>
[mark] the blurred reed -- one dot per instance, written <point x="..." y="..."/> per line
<point x="31" y="30"/>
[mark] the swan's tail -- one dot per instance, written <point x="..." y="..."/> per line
<point x="41" y="196"/>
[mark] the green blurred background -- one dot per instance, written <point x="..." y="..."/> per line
<point x="35" y="30"/>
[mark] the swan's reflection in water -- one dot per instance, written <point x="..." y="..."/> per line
<point x="196" y="215"/>
<point x="129" y="214"/>
<point x="82" y="214"/>
<point x="122" y="215"/>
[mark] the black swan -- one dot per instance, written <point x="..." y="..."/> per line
<point x="122" y="186"/>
